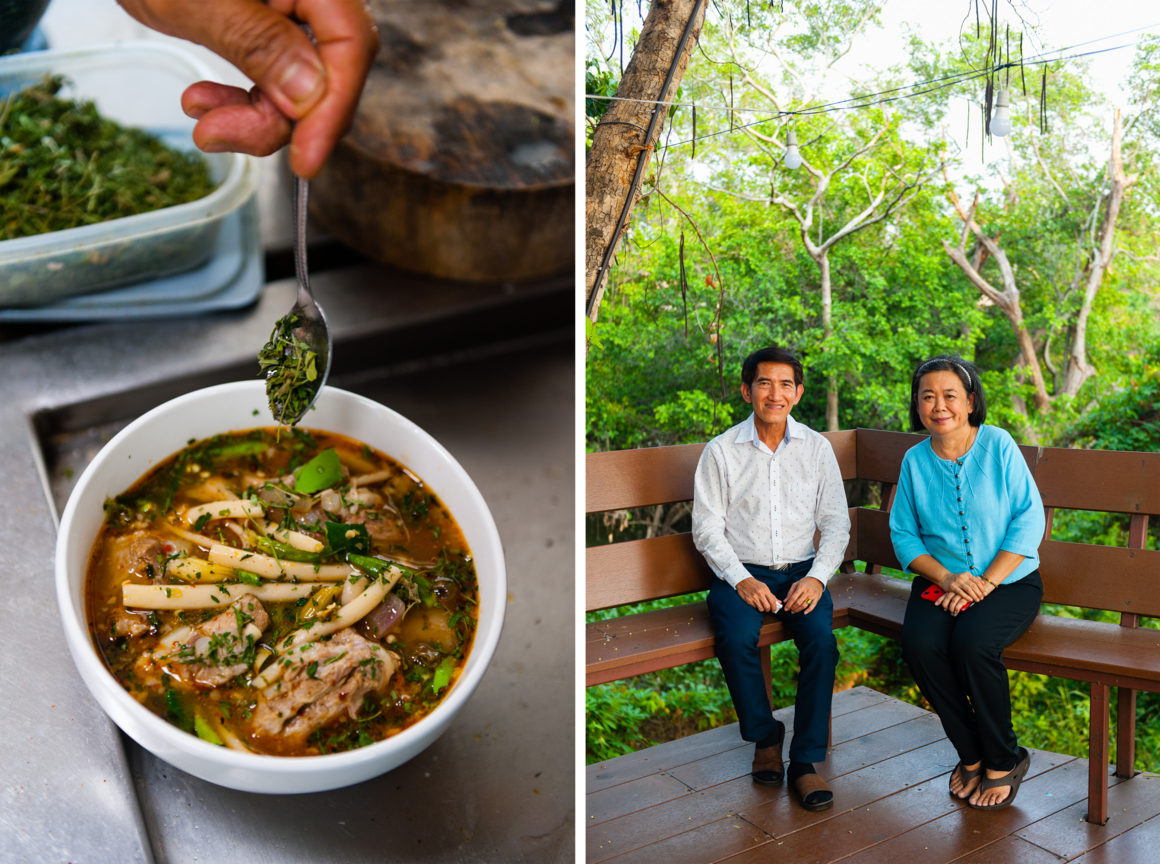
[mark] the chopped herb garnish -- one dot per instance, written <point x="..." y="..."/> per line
<point x="290" y="368"/>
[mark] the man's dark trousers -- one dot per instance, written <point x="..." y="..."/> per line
<point x="738" y="627"/>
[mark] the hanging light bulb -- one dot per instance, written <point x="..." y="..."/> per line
<point x="1001" y="121"/>
<point x="793" y="159"/>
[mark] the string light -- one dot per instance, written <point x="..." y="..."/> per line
<point x="1001" y="123"/>
<point x="793" y="157"/>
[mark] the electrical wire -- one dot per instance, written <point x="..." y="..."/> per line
<point x="843" y="104"/>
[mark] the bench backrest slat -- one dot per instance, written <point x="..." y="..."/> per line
<point x="1101" y="577"/>
<point x="619" y="479"/>
<point x="873" y="532"/>
<point x="1104" y="480"/>
<point x="637" y="570"/>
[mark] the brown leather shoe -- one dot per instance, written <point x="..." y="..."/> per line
<point x="805" y="787"/>
<point x="768" y="768"/>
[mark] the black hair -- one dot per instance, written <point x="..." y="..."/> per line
<point x="966" y="372"/>
<point x="772" y="354"/>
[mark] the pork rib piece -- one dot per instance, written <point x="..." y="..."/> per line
<point x="221" y="648"/>
<point x="325" y="680"/>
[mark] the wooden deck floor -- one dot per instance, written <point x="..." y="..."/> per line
<point x="692" y="801"/>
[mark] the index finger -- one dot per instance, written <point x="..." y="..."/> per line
<point x="347" y="40"/>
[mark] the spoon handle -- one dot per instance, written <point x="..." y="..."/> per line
<point x="301" y="196"/>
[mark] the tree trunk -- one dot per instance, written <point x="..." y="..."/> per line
<point x="1007" y="299"/>
<point x="1078" y="367"/>
<point x="827" y="330"/>
<point x="618" y="144"/>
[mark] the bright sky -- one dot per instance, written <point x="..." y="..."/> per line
<point x="1055" y="24"/>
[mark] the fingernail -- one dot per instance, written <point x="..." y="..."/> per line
<point x="300" y="82"/>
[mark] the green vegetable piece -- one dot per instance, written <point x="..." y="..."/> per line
<point x="177" y="710"/>
<point x="286" y="552"/>
<point x="443" y="674"/>
<point x="321" y="472"/>
<point x="204" y="730"/>
<point x="201" y="522"/>
<point x="339" y="543"/>
<point x="374" y="566"/>
<point x="241" y="448"/>
<point x="425" y="592"/>
<point x="249" y="578"/>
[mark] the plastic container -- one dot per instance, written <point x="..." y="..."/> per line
<point x="136" y="83"/>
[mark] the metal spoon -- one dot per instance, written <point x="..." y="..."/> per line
<point x="310" y="332"/>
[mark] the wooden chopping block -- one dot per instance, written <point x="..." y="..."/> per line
<point x="461" y="160"/>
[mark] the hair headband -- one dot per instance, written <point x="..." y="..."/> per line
<point x="960" y="367"/>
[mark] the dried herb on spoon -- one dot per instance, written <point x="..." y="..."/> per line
<point x="63" y="165"/>
<point x="291" y="370"/>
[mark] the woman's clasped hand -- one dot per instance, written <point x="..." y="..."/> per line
<point x="961" y="589"/>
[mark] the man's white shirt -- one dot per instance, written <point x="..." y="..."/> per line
<point x="752" y="505"/>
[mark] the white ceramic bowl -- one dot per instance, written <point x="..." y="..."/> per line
<point x="164" y="431"/>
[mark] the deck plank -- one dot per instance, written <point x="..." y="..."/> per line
<point x="1054" y="783"/>
<point x="666" y="756"/>
<point x="861" y="788"/>
<point x="632" y="796"/>
<point x="642" y="827"/>
<point x="1136" y="846"/>
<point x="712" y="842"/>
<point x="856" y="829"/>
<point x="1069" y="835"/>
<point x="874" y="743"/>
<point x="1009" y="850"/>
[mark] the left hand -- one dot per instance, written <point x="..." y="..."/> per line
<point x="804" y="595"/>
<point x="955" y="603"/>
<point x="319" y="87"/>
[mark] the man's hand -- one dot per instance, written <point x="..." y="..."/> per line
<point x="804" y="595"/>
<point x="756" y="594"/>
<point x="319" y="87"/>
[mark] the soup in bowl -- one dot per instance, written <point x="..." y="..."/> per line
<point x="279" y="610"/>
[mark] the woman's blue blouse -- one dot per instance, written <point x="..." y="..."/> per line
<point x="963" y="511"/>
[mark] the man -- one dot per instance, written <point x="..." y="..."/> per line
<point x="760" y="491"/>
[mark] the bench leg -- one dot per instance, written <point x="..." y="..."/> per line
<point x="1098" y="756"/>
<point x="1126" y="733"/>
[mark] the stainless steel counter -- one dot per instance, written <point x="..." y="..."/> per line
<point x="489" y="372"/>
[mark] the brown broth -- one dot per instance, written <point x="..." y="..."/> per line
<point x="410" y="527"/>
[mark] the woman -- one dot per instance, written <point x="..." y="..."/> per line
<point x="967" y="518"/>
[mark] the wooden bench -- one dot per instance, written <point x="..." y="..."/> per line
<point x="1120" y="579"/>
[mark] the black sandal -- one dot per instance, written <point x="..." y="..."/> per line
<point x="1012" y="779"/>
<point x="966" y="777"/>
